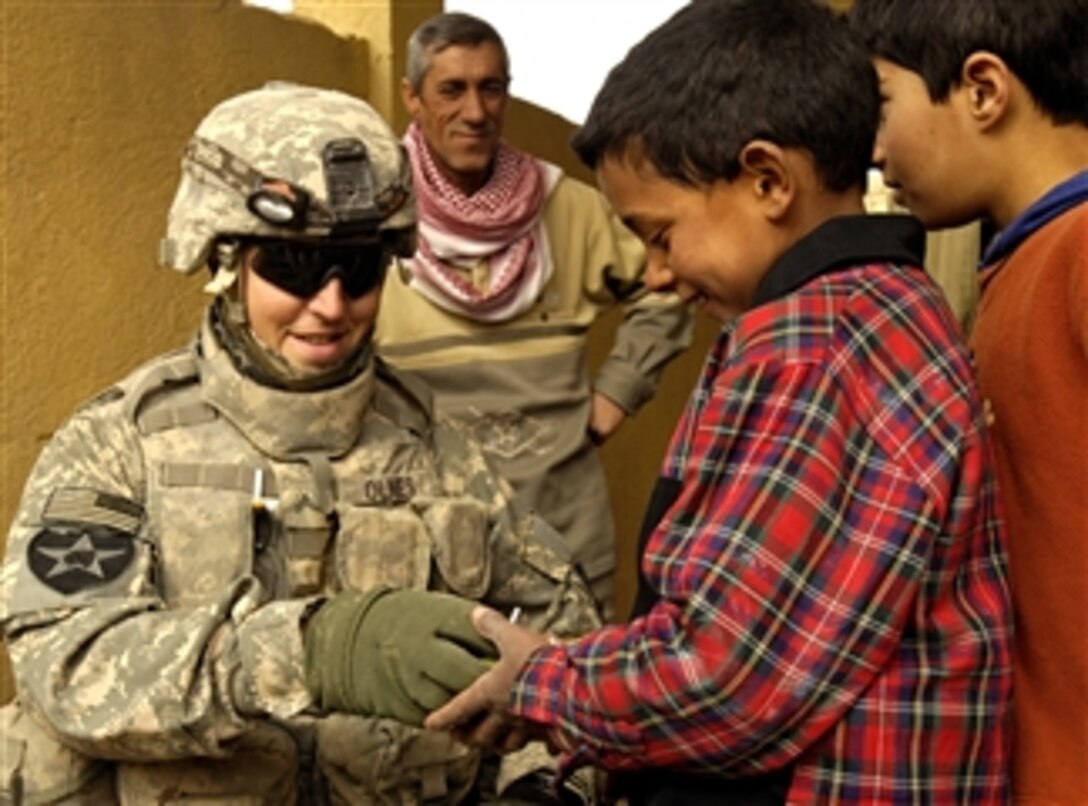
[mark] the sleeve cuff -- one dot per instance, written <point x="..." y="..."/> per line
<point x="624" y="386"/>
<point x="271" y="678"/>
<point x="536" y="694"/>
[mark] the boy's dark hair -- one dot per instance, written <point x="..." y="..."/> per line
<point x="1044" y="42"/>
<point x="443" y="31"/>
<point x="720" y="73"/>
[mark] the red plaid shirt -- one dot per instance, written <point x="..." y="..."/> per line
<point x="830" y="581"/>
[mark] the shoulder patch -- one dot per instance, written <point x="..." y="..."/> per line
<point x="93" y="507"/>
<point x="74" y="557"/>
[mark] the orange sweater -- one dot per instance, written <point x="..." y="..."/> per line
<point x="1031" y="343"/>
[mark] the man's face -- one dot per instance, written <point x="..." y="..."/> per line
<point x="459" y="110"/>
<point x="710" y="245"/>
<point x="923" y="148"/>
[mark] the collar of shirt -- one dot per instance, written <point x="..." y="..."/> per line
<point x="1049" y="206"/>
<point x="844" y="241"/>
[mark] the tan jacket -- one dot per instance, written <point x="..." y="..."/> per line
<point x="523" y="386"/>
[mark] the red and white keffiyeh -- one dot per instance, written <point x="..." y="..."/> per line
<point x="499" y="225"/>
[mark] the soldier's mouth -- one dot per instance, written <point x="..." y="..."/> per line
<point x="319" y="338"/>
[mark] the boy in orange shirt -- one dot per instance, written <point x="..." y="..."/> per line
<point x="985" y="115"/>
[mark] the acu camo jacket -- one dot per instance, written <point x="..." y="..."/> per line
<point x="176" y="532"/>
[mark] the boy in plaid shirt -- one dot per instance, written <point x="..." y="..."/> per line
<point x="823" y="614"/>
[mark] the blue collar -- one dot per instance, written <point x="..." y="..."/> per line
<point x="1056" y="201"/>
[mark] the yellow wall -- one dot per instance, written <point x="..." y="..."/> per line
<point x="386" y="24"/>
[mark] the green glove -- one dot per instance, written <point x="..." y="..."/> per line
<point x="393" y="653"/>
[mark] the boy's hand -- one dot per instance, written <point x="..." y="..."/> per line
<point x="479" y="715"/>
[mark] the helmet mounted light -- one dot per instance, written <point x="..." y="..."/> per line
<point x="279" y="203"/>
<point x="351" y="209"/>
<point x="291" y="162"/>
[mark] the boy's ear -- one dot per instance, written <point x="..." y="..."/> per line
<point x="769" y="176"/>
<point x="986" y="80"/>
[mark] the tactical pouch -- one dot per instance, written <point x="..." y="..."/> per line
<point x="307" y="531"/>
<point x="262" y="770"/>
<point x="35" y="768"/>
<point x="382" y="546"/>
<point x="195" y="505"/>
<point x="460" y="532"/>
<point x="378" y="761"/>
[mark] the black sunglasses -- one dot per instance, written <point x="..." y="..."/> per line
<point x="302" y="269"/>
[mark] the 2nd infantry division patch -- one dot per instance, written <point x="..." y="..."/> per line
<point x="88" y="539"/>
<point x="74" y="557"/>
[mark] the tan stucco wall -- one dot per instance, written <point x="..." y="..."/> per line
<point x="386" y="24"/>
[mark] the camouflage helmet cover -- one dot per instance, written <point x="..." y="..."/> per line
<point x="278" y="134"/>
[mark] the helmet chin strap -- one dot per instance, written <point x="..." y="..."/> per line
<point x="224" y="265"/>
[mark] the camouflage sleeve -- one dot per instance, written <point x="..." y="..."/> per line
<point x="93" y="648"/>
<point x="529" y="563"/>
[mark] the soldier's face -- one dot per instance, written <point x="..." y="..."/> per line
<point x="311" y="333"/>
<point x="459" y="109"/>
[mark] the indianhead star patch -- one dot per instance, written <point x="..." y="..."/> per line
<point x="74" y="557"/>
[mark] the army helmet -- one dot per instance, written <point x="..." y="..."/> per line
<point x="292" y="162"/>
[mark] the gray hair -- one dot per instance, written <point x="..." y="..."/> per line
<point x="442" y="31"/>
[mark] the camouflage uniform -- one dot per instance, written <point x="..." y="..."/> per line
<point x="171" y="543"/>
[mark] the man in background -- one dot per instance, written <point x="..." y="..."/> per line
<point x="514" y="264"/>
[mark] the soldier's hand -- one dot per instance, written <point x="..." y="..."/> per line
<point x="479" y="715"/>
<point x="393" y="653"/>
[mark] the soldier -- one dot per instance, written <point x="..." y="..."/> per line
<point x="218" y="563"/>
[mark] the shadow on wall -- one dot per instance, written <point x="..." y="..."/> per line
<point x="545" y="134"/>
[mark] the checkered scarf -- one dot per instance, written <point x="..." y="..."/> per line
<point x="499" y="226"/>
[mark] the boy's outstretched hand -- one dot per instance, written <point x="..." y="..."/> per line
<point x="479" y="715"/>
